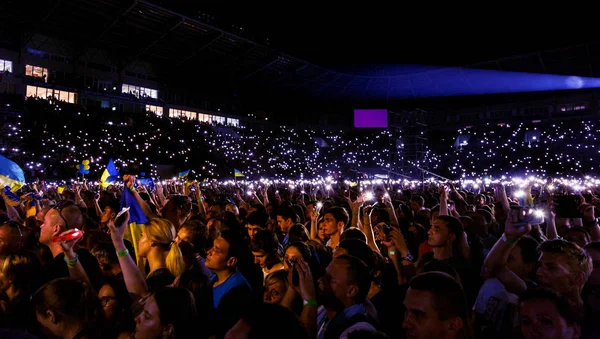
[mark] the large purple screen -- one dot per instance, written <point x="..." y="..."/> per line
<point x="370" y="118"/>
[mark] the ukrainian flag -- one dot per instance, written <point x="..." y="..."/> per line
<point x="11" y="174"/>
<point x="237" y="173"/>
<point x="184" y="174"/>
<point x="110" y="174"/>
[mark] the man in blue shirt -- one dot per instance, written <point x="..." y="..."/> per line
<point x="231" y="291"/>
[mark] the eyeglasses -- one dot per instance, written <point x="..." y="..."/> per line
<point x="16" y="225"/>
<point x="60" y="206"/>
<point x="105" y="300"/>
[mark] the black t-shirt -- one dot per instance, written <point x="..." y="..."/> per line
<point x="158" y="279"/>
<point x="57" y="268"/>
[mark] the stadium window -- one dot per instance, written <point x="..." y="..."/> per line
<point x="5" y="66"/>
<point x="158" y="110"/>
<point x="36" y="72"/>
<point x="49" y="93"/>
<point x="138" y="91"/>
<point x="174" y="113"/>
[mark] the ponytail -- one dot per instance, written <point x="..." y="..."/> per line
<point x="175" y="263"/>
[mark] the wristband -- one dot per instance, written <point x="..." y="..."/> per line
<point x="311" y="303"/>
<point x="510" y="242"/>
<point x="391" y="252"/>
<point x="72" y="262"/>
<point x="132" y="189"/>
<point x="122" y="253"/>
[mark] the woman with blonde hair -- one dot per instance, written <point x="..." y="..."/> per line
<point x="158" y="246"/>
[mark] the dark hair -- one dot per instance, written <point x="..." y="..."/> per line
<point x="359" y="274"/>
<point x="199" y="233"/>
<point x="125" y="318"/>
<point x="266" y="241"/>
<point x="182" y="202"/>
<point x="257" y="218"/>
<point x="298" y="233"/>
<point x="177" y="307"/>
<point x="566" y="309"/>
<point x="448" y="295"/>
<point x="353" y="233"/>
<point x="359" y="249"/>
<point x="454" y="225"/>
<point x="237" y="246"/>
<point x="339" y="214"/>
<point x="287" y="213"/>
<point x="71" y="299"/>
<point x="529" y="250"/>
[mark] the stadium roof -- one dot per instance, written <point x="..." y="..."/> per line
<point x="142" y="30"/>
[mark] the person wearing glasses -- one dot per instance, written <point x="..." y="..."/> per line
<point x="62" y="217"/>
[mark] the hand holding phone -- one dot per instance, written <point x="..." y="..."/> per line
<point x="120" y="218"/>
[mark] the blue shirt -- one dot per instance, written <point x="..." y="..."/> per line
<point x="234" y="281"/>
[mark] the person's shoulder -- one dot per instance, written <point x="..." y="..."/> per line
<point x="362" y="326"/>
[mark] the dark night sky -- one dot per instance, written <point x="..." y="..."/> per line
<point x="381" y="34"/>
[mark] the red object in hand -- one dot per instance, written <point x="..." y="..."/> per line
<point x="69" y="235"/>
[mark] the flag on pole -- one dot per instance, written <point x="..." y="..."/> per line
<point x="110" y="174"/>
<point x="237" y="173"/>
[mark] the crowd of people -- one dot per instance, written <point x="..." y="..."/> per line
<point x="48" y="139"/>
<point x="431" y="262"/>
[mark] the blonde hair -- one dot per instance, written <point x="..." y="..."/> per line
<point x="577" y="257"/>
<point x="162" y="233"/>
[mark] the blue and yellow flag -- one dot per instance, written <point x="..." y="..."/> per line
<point x="110" y="174"/>
<point x="237" y="173"/>
<point x="184" y="174"/>
<point x="11" y="174"/>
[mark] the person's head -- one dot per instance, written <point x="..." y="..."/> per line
<point x="195" y="233"/>
<point x="294" y="250"/>
<point x="334" y="221"/>
<point x="227" y="251"/>
<point x="110" y="210"/>
<point x="19" y="271"/>
<point x="436" y="307"/>
<point x="63" y="216"/>
<point x="311" y="206"/>
<point x="481" y="221"/>
<point x="158" y="236"/>
<point x="564" y="267"/>
<point x="346" y="282"/>
<point x="255" y="222"/>
<point x="177" y="209"/>
<point x="276" y="285"/>
<point x="298" y="233"/>
<point x="416" y="203"/>
<point x="266" y="249"/>
<point x="578" y="235"/>
<point x="523" y="257"/>
<point x="214" y="211"/>
<point x="354" y="233"/>
<point x="546" y="314"/>
<point x="106" y="255"/>
<point x="116" y="303"/>
<point x="11" y="237"/>
<point x="445" y="231"/>
<point x="168" y="313"/>
<point x="268" y="321"/>
<point x="64" y="305"/>
<point x="286" y="217"/>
